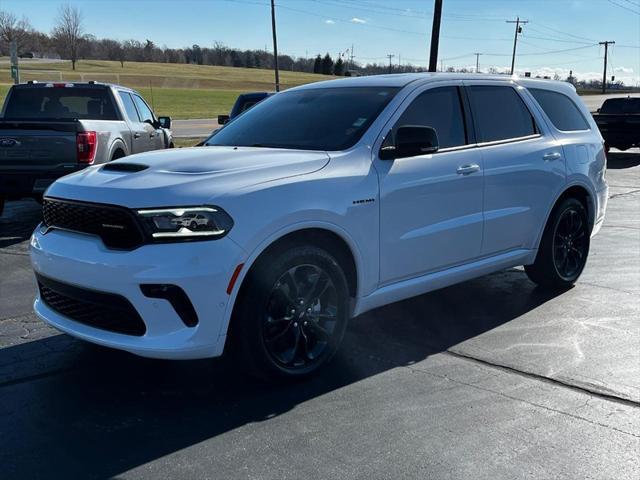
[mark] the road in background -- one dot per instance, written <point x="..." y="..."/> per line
<point x="200" y="128"/>
<point x="490" y="379"/>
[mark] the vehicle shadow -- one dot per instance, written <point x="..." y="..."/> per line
<point x="621" y="160"/>
<point x="109" y="412"/>
<point x="18" y="221"/>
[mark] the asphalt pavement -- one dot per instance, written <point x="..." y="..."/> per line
<point x="490" y="379"/>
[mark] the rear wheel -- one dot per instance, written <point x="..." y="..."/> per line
<point x="564" y="247"/>
<point x="292" y="315"/>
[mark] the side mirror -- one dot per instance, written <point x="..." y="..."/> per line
<point x="598" y="111"/>
<point x="165" y="122"/>
<point x="222" y="119"/>
<point x="411" y="141"/>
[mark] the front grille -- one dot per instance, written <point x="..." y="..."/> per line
<point x="106" y="311"/>
<point x="116" y="226"/>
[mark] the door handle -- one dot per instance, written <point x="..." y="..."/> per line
<point x="136" y="135"/>
<point x="152" y="134"/>
<point x="551" y="156"/>
<point x="467" y="169"/>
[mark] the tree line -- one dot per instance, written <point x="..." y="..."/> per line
<point x="69" y="40"/>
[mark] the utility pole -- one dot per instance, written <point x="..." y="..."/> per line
<point x="351" y="57"/>
<point x="275" y="44"/>
<point x="518" y="23"/>
<point x="390" y="56"/>
<point x="604" y="75"/>
<point x="477" y="62"/>
<point x="435" y="35"/>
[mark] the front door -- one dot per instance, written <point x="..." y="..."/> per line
<point x="431" y="205"/>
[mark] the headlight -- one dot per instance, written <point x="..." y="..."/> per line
<point x="185" y="223"/>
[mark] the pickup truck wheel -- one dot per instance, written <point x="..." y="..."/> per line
<point x="118" y="154"/>
<point x="623" y="148"/>
<point x="292" y="315"/>
<point x="564" y="248"/>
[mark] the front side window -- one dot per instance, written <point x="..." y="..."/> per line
<point x="560" y="109"/>
<point x="500" y="113"/>
<point x="129" y="107"/>
<point x="438" y="108"/>
<point x="145" y="112"/>
<point x="327" y="119"/>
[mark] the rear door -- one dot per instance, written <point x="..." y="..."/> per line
<point x="139" y="133"/>
<point x="155" y="135"/>
<point x="524" y="165"/>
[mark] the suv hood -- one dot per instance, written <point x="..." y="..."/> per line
<point x="185" y="176"/>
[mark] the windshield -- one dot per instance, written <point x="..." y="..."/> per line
<point x="60" y="103"/>
<point x="621" y="106"/>
<point x="313" y="119"/>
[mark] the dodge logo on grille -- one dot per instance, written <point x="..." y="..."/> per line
<point x="8" y="142"/>
<point x="110" y="225"/>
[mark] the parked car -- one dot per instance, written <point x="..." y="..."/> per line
<point x="619" y="122"/>
<point x="48" y="130"/>
<point x="324" y="202"/>
<point x="26" y="55"/>
<point x="244" y="102"/>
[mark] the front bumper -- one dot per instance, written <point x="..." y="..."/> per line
<point x="201" y="269"/>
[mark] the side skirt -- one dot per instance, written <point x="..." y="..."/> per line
<point x="443" y="278"/>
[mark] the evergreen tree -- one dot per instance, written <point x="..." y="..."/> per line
<point x="338" y="68"/>
<point x="327" y="65"/>
<point x="317" y="64"/>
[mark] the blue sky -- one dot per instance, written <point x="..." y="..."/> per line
<point x="560" y="36"/>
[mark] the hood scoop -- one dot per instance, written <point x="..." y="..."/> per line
<point x="124" y="167"/>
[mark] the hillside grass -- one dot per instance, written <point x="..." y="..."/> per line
<point x="180" y="91"/>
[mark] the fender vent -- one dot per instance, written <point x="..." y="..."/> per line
<point x="124" y="167"/>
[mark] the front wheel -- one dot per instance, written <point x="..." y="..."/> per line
<point x="564" y="247"/>
<point x="292" y="315"/>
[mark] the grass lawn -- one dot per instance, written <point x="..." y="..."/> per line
<point x="180" y="91"/>
<point x="186" y="141"/>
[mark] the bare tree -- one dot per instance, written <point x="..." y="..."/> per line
<point x="13" y="29"/>
<point x="69" y="32"/>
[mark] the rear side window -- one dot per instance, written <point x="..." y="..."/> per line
<point x="441" y="109"/>
<point x="560" y="109"/>
<point x="500" y="113"/>
<point x="129" y="107"/>
<point x="60" y="103"/>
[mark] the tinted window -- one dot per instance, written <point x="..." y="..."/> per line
<point x="560" y="109"/>
<point x="500" y="113"/>
<point x="309" y="119"/>
<point x="621" y="106"/>
<point x="143" y="110"/>
<point x="440" y="109"/>
<point x="129" y="107"/>
<point x="60" y="103"/>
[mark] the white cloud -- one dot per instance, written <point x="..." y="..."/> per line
<point x="623" y="70"/>
<point x="358" y="20"/>
<point x="329" y="22"/>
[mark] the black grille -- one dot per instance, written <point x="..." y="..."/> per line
<point x="106" y="311"/>
<point x="116" y="226"/>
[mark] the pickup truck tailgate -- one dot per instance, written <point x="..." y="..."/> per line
<point x="35" y="153"/>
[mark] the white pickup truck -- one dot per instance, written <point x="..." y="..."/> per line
<point x="48" y="130"/>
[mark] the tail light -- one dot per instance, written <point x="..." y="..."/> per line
<point x="86" y="146"/>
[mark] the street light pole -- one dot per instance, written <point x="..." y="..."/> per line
<point x="435" y="35"/>
<point x="275" y="44"/>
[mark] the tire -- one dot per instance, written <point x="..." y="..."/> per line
<point x="623" y="148"/>
<point x="564" y="247"/>
<point x="193" y="226"/>
<point x="283" y="330"/>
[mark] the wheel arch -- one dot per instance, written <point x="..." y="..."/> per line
<point x="325" y="235"/>
<point x="582" y="193"/>
<point x="117" y="146"/>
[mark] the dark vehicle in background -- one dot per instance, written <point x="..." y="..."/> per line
<point x="244" y="102"/>
<point x="48" y="130"/>
<point x="619" y="122"/>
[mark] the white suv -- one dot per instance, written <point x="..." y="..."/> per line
<point x="322" y="202"/>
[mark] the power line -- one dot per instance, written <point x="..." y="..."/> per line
<point x="625" y="7"/>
